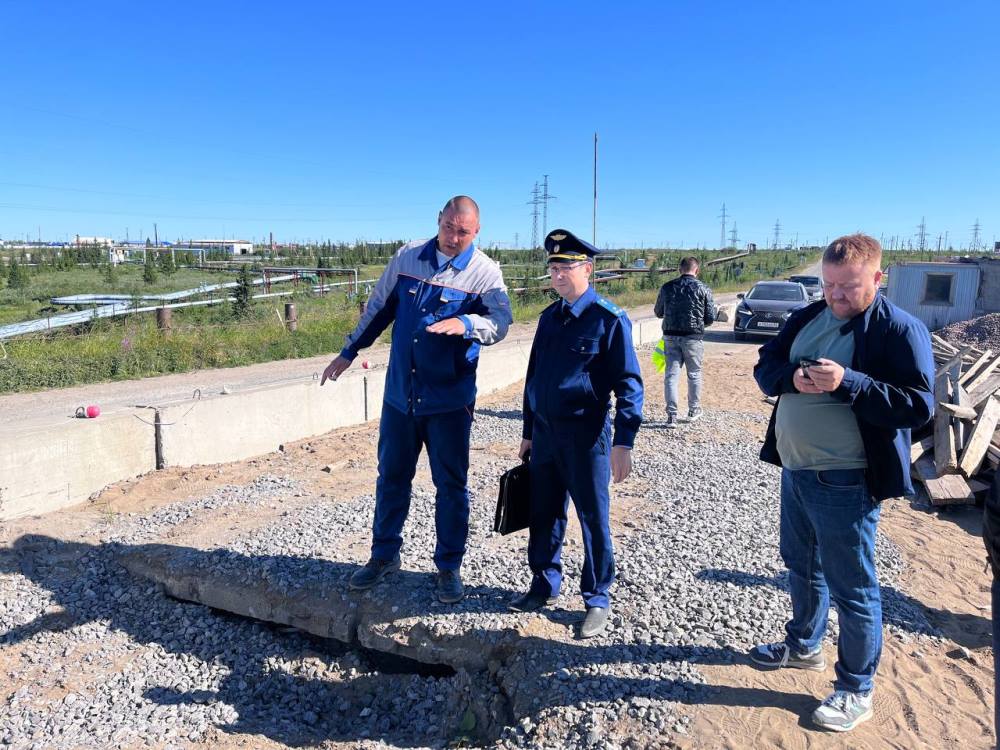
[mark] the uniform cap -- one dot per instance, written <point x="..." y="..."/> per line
<point x="565" y="247"/>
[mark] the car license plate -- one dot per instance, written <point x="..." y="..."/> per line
<point x="765" y="324"/>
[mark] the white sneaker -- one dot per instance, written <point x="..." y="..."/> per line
<point x="842" y="711"/>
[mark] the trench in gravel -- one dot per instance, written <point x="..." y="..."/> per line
<point x="482" y="721"/>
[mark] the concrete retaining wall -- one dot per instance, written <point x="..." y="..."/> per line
<point x="48" y="468"/>
<point x="64" y="465"/>
<point x="249" y="423"/>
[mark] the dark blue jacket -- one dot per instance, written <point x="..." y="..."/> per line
<point x="578" y="358"/>
<point x="889" y="385"/>
<point x="431" y="373"/>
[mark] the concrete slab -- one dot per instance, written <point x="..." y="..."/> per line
<point x="49" y="468"/>
<point x="232" y="427"/>
<point x="398" y="617"/>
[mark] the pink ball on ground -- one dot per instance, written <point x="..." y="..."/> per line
<point x="93" y="411"/>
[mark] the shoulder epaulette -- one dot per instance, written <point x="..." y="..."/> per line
<point x="610" y="306"/>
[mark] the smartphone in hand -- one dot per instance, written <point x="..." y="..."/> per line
<point x="806" y="362"/>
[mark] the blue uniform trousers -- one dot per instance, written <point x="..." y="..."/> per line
<point x="571" y="461"/>
<point x="401" y="436"/>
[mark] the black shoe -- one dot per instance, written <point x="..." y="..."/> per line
<point x="671" y="423"/>
<point x="373" y="572"/>
<point x="595" y="622"/>
<point x="530" y="602"/>
<point x="449" y="587"/>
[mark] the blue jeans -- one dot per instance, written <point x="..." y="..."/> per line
<point x="828" y="524"/>
<point x="400" y="439"/>
<point x="686" y="351"/>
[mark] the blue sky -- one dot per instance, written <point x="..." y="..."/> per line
<point x="323" y="121"/>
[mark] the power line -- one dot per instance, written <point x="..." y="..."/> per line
<point x="777" y="232"/>
<point x="922" y="235"/>
<point x="975" y="236"/>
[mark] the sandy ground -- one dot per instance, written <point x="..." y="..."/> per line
<point x="930" y="694"/>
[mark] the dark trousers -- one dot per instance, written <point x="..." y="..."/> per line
<point x="571" y="462"/>
<point x="401" y="436"/>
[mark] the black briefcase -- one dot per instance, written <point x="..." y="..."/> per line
<point x="514" y="501"/>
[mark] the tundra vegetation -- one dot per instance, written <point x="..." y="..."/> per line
<point x="250" y="330"/>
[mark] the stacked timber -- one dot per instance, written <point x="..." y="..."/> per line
<point x="958" y="459"/>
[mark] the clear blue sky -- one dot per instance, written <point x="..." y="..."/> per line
<point x="338" y="121"/>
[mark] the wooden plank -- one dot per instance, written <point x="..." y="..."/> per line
<point x="984" y="375"/>
<point x="979" y="440"/>
<point x="949" y="489"/>
<point x="983" y="391"/>
<point x="942" y="343"/>
<point x="920" y="447"/>
<point x="975" y="367"/>
<point x="945" y="457"/>
<point x="956" y="359"/>
<point x="962" y="412"/>
<point x="957" y="426"/>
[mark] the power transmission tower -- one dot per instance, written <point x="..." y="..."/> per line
<point x="922" y="235"/>
<point x="975" y="236"/>
<point x="734" y="237"/>
<point x="777" y="232"/>
<point x="535" y="202"/>
<point x="546" y="197"/>
<point x="517" y="240"/>
<point x="722" y="234"/>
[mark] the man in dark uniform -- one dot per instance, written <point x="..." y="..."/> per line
<point x="581" y="353"/>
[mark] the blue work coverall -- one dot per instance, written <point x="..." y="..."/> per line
<point x="581" y="354"/>
<point x="430" y="389"/>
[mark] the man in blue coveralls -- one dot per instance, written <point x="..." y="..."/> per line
<point x="582" y="352"/>
<point x="446" y="298"/>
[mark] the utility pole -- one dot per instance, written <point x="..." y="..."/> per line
<point x="777" y="232"/>
<point x="946" y="245"/>
<point x="593" y="237"/>
<point x="536" y="199"/>
<point x="939" y="243"/>
<point x="722" y="235"/>
<point x="734" y="237"/>
<point x="517" y="240"/>
<point x="975" y="236"/>
<point x="546" y="197"/>
<point x="922" y="235"/>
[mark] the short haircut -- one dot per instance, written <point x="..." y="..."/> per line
<point x="689" y="264"/>
<point x="461" y="204"/>
<point x="854" y="248"/>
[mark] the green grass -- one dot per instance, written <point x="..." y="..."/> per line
<point x="207" y="337"/>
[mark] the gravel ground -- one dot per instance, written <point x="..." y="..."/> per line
<point x="105" y="660"/>
<point x="982" y="332"/>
